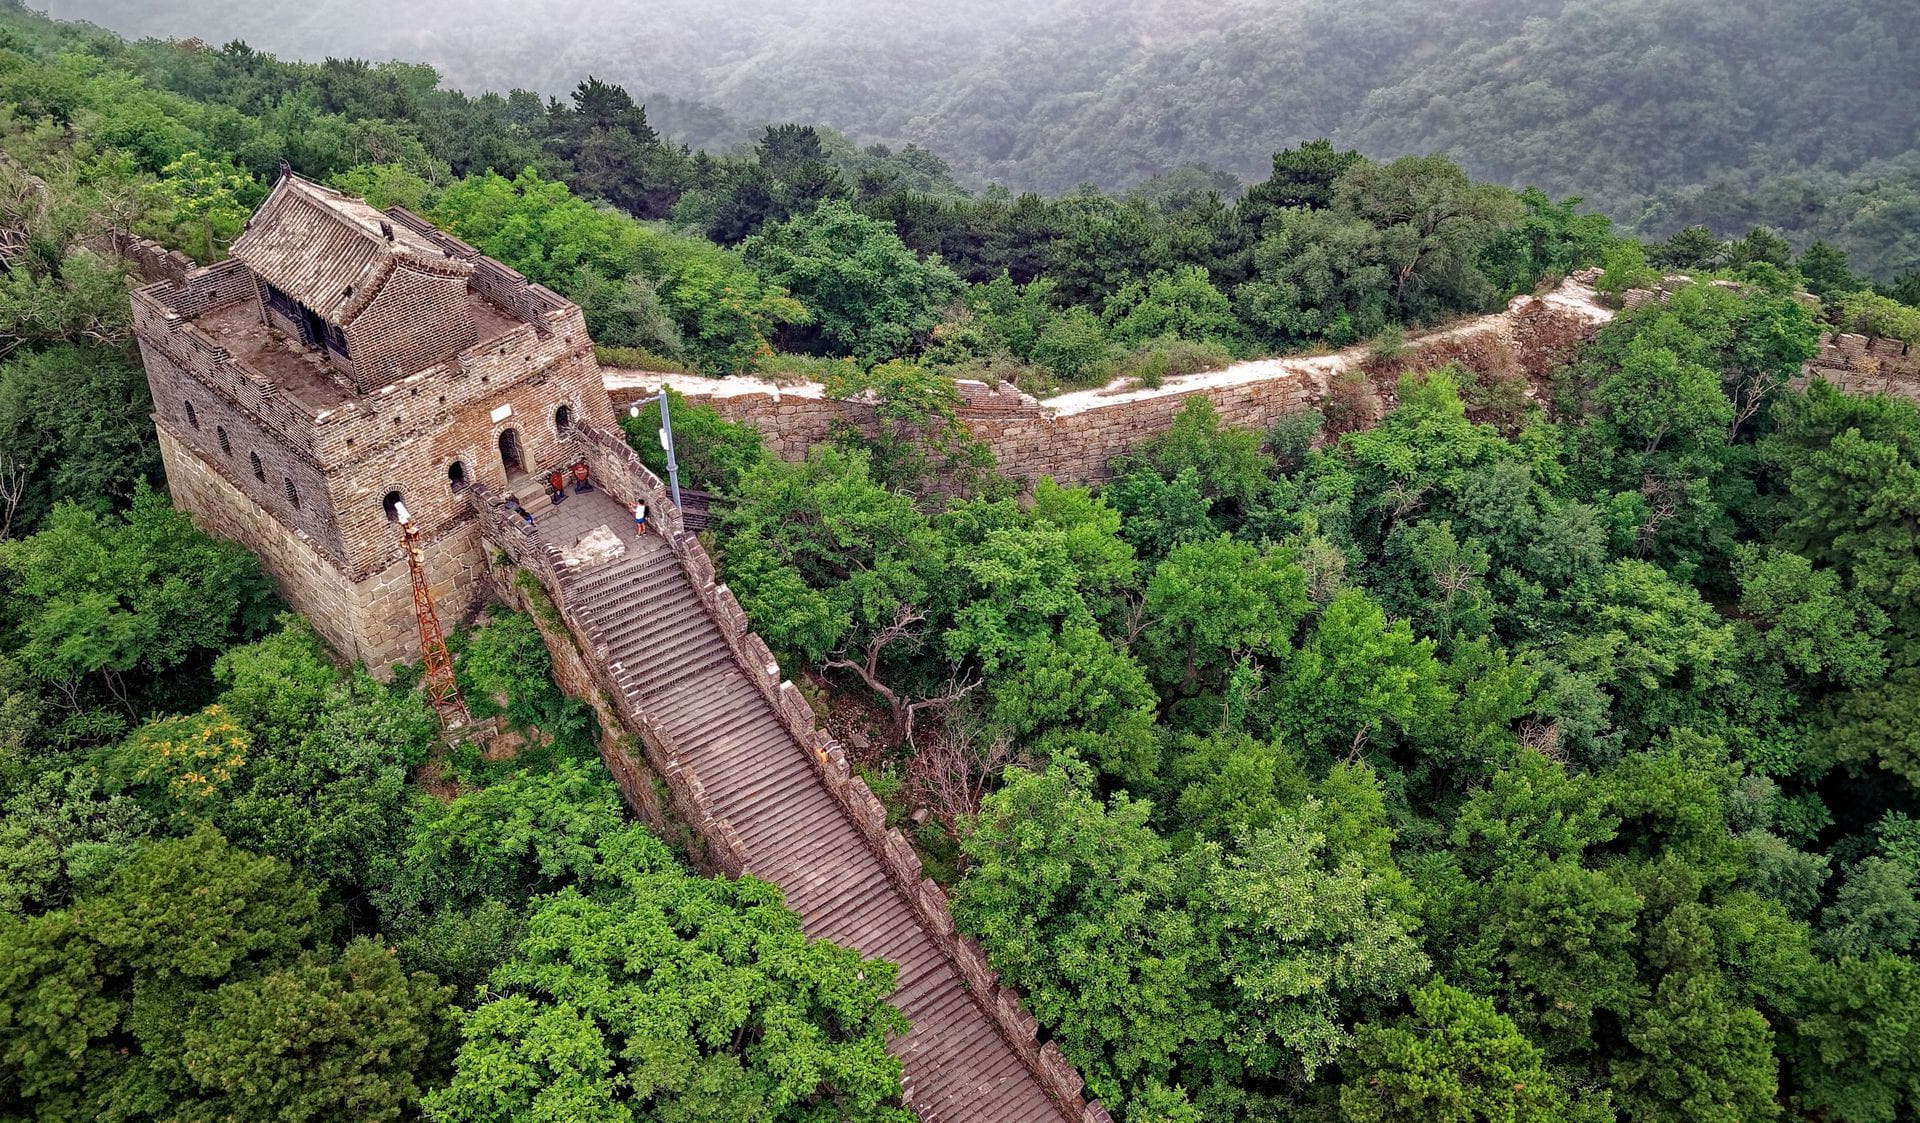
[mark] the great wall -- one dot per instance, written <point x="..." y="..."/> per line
<point x="1075" y="437"/>
<point x="294" y="424"/>
<point x="494" y="383"/>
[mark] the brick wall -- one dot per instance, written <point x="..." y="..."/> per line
<point x="215" y="415"/>
<point x="417" y="319"/>
<point x="416" y="438"/>
<point x="161" y="321"/>
<point x="147" y="261"/>
<point x="505" y="287"/>
<point x="370" y="620"/>
<point x="1862" y="365"/>
<point x="1076" y="443"/>
<point x="342" y="462"/>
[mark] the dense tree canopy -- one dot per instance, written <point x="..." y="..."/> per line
<point x="1542" y="749"/>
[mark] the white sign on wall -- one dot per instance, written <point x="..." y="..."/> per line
<point x="501" y="413"/>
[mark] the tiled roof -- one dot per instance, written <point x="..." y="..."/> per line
<point x="331" y="251"/>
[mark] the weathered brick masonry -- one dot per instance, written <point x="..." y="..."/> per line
<point x="347" y="359"/>
<point x="1861" y="364"/>
<point x="419" y="367"/>
<point x="1075" y="438"/>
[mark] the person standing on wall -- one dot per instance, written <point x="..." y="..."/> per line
<point x="639" y="519"/>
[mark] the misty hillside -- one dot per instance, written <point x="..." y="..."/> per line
<point x="1310" y="636"/>
<point x="1619" y="100"/>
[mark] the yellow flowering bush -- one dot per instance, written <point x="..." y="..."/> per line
<point x="196" y="755"/>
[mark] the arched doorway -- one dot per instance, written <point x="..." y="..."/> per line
<point x="563" y="420"/>
<point x="510" y="456"/>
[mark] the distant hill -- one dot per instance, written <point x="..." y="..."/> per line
<point x="1802" y="114"/>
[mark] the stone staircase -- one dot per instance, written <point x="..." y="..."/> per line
<point x="772" y="798"/>
<point x="641" y="614"/>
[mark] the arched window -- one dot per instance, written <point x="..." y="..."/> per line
<point x="293" y="496"/>
<point x="456" y="475"/>
<point x="392" y="504"/>
<point x="563" y="419"/>
<point x="259" y="472"/>
<point x="193" y="418"/>
<point x="220" y="431"/>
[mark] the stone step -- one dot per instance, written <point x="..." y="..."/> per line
<point x="642" y="614"/>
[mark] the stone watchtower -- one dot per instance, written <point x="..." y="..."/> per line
<point x="345" y="360"/>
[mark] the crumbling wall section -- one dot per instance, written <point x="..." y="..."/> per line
<point x="1860" y="364"/>
<point x="148" y="261"/>
<point x="1076" y="438"/>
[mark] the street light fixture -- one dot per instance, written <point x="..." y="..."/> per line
<point x="666" y="438"/>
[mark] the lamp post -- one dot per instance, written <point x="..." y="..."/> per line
<point x="666" y="439"/>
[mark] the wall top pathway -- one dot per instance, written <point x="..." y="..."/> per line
<point x="1575" y="295"/>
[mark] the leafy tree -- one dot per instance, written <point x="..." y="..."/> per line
<point x="127" y="606"/>
<point x="208" y="196"/>
<point x="386" y="185"/>
<point x="1212" y="603"/>
<point x="1076" y="692"/>
<point x="1231" y="784"/>
<point x="1849" y="478"/>
<point x="1649" y="639"/>
<point x="75" y="427"/>
<point x="916" y="430"/>
<point x="1761" y="245"/>
<point x="1457" y="1059"/>
<point x="1311" y="938"/>
<point x="1302" y="177"/>
<point x="722" y="312"/>
<point x="616" y="155"/>
<point x="713" y="453"/>
<point x="1811" y="625"/>
<point x="664" y="996"/>
<point x="1876" y="725"/>
<point x="319" y="1039"/>
<point x="1180" y="305"/>
<point x="1702" y="1056"/>
<point x="1354" y="675"/>
<point x="1826" y="270"/>
<point x="531" y="833"/>
<point x="97" y="996"/>
<point x="1869" y="313"/>
<point x="868" y="295"/>
<point x="817" y="548"/>
<point x="1876" y="909"/>
<point x="1434" y="226"/>
<point x="1854" y="1049"/>
<point x="1694" y="247"/>
<point x="1067" y="894"/>
<point x="1551" y="238"/>
<point x="1074" y="345"/>
<point x="1656" y="399"/>
<point x="324" y="787"/>
<point x="1318" y="277"/>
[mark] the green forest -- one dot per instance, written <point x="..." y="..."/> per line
<point x="1795" y="114"/>
<point x="1535" y="753"/>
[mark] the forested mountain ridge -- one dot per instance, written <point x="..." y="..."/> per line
<point x="1775" y="112"/>
<point x="1529" y="753"/>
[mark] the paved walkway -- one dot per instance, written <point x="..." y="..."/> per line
<point x="640" y="612"/>
<point x="1571" y="295"/>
